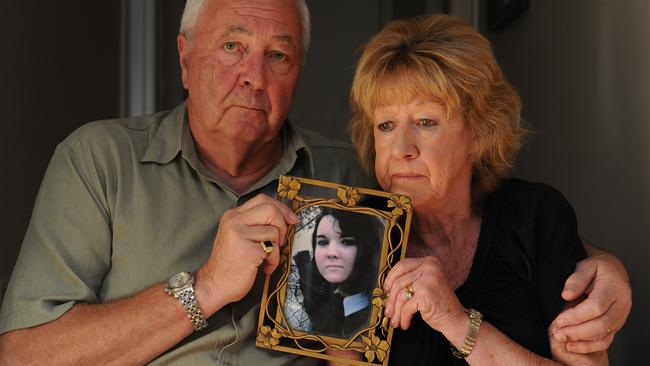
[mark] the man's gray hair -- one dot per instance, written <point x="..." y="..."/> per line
<point x="193" y="10"/>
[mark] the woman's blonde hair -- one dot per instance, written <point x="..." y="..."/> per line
<point x="448" y="60"/>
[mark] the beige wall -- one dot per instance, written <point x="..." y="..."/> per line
<point x="583" y="69"/>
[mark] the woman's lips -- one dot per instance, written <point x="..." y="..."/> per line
<point x="406" y="176"/>
<point x="333" y="266"/>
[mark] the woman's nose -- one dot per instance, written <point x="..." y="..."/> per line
<point x="333" y="250"/>
<point x="404" y="146"/>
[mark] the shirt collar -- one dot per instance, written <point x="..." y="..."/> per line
<point x="166" y="141"/>
<point x="296" y="149"/>
<point x="173" y="136"/>
<point x="354" y="303"/>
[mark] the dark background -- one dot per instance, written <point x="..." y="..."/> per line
<point x="580" y="66"/>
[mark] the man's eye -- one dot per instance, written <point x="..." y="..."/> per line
<point x="230" y="46"/>
<point x="278" y="56"/>
<point x="385" y="126"/>
<point x="427" y="122"/>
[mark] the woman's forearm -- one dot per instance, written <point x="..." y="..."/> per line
<point x="493" y="347"/>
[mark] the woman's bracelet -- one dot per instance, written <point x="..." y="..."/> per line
<point x="475" y="320"/>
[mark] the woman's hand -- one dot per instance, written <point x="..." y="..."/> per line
<point x="441" y="310"/>
<point x="431" y="295"/>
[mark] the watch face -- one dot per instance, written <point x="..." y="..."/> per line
<point x="179" y="280"/>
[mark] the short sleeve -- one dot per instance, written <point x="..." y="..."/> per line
<point x="545" y="227"/>
<point x="557" y="249"/>
<point x="66" y="251"/>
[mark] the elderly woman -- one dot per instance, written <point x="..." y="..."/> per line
<point x="436" y="119"/>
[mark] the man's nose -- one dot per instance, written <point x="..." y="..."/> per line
<point x="252" y="73"/>
<point x="404" y="145"/>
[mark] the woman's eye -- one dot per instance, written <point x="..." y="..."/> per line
<point x="348" y="241"/>
<point x="322" y="242"/>
<point x="427" y="122"/>
<point x="385" y="126"/>
<point x="230" y="46"/>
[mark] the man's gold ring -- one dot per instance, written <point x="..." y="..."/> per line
<point x="267" y="246"/>
<point x="409" y="292"/>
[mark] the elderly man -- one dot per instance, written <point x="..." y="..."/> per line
<point x="127" y="204"/>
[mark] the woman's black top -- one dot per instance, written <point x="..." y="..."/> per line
<point x="528" y="245"/>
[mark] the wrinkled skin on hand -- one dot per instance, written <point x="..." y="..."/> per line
<point x="590" y="325"/>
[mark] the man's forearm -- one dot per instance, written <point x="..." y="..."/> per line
<point x="129" y="331"/>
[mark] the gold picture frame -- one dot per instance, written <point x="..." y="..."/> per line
<point x="318" y="305"/>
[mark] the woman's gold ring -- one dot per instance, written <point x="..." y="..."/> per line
<point x="409" y="292"/>
<point x="267" y="246"/>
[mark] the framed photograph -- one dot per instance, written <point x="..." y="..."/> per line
<point x="325" y="300"/>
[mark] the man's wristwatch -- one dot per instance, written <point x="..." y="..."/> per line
<point x="181" y="287"/>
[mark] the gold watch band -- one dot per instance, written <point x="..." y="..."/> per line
<point x="475" y="320"/>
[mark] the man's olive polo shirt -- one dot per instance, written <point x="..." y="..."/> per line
<point x="125" y="204"/>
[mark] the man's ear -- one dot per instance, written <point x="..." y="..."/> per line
<point x="183" y="56"/>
